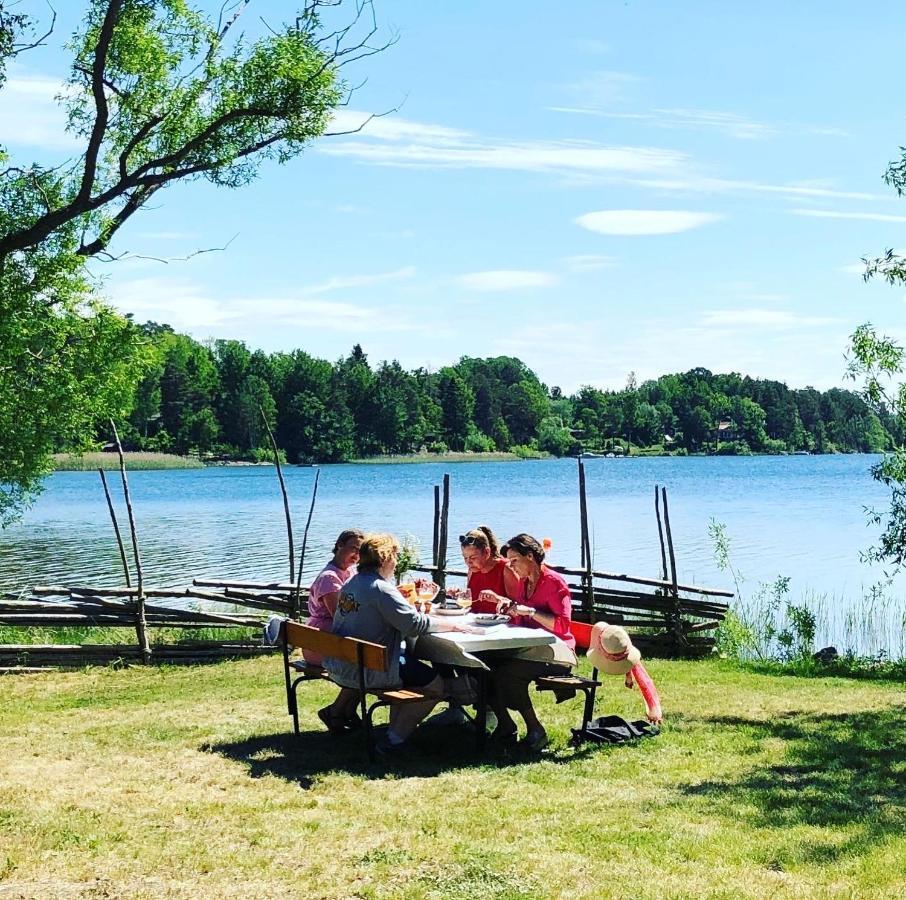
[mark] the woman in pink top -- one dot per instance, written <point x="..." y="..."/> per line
<point x="324" y="592"/>
<point x="542" y="601"/>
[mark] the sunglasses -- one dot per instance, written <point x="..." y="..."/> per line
<point x="467" y="540"/>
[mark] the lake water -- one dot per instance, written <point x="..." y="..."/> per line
<point x="801" y="516"/>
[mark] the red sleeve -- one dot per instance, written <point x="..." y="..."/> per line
<point x="552" y="596"/>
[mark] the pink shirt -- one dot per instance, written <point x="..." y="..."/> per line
<point x="551" y="596"/>
<point x="330" y="579"/>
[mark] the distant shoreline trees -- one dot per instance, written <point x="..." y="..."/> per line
<point x="207" y="398"/>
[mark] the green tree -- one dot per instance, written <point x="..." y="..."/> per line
<point x="457" y="403"/>
<point x="158" y="93"/>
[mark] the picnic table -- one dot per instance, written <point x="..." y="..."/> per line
<point x="456" y="648"/>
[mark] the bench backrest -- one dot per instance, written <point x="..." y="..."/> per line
<point x="353" y="650"/>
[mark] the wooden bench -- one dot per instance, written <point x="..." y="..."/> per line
<point x="588" y="686"/>
<point x="366" y="656"/>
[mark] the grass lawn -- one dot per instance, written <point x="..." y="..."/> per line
<point x="188" y="783"/>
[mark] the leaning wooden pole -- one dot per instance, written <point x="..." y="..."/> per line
<point x="675" y="617"/>
<point x="141" y="624"/>
<point x="116" y="528"/>
<point x="587" y="582"/>
<point x="289" y="521"/>
<point x="660" y="531"/>
<point x="443" y="534"/>
<point x="435" y="534"/>
<point x="296" y="604"/>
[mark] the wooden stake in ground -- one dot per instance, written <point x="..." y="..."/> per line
<point x="443" y="533"/>
<point x="141" y="625"/>
<point x="116" y="528"/>
<point x="289" y="523"/>
<point x="660" y="531"/>
<point x="435" y="533"/>
<point x="311" y="509"/>
<point x="584" y="540"/>
<point x="676" y="619"/>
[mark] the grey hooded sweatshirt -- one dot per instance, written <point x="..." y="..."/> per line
<point x="372" y="609"/>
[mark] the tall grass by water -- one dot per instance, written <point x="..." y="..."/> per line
<point x="90" y="462"/>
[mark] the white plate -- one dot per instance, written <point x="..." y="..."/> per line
<point x="443" y="611"/>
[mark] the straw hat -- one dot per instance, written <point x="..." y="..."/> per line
<point x="610" y="649"/>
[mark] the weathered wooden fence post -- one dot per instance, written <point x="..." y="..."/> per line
<point x="440" y="575"/>
<point x="588" y="590"/>
<point x="676" y="621"/>
<point x="297" y="594"/>
<point x="116" y="528"/>
<point x="141" y="624"/>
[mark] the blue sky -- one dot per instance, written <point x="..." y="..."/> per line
<point x="594" y="187"/>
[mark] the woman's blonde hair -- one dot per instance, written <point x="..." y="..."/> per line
<point x="376" y="550"/>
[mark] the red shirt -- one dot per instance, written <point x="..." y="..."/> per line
<point x="487" y="581"/>
<point x="551" y="596"/>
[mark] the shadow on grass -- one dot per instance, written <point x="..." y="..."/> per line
<point x="844" y="773"/>
<point x="432" y="751"/>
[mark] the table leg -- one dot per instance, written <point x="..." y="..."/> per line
<point x="481" y="712"/>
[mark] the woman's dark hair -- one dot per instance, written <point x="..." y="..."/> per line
<point x="348" y="535"/>
<point x="525" y="545"/>
<point x="481" y="537"/>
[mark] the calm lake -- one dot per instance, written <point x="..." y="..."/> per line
<point x="801" y="516"/>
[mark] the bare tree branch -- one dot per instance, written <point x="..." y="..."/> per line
<point x="100" y="99"/>
<point x="22" y="48"/>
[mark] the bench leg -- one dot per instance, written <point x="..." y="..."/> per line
<point x="294" y="707"/>
<point x="481" y="712"/>
<point x="589" y="709"/>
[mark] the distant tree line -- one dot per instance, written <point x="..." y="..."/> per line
<point x="212" y="398"/>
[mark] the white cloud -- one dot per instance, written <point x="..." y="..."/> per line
<point x="603" y="87"/>
<point x="588" y="262"/>
<point x="703" y="184"/>
<point x="761" y="318"/>
<point x="644" y="221"/>
<point x="393" y="128"/>
<point x="837" y="214"/>
<point x="29" y="115"/>
<point x="506" y="280"/>
<point x="188" y="306"/>
<point x="357" y="281"/>
<point x="398" y="142"/>
<point x="731" y="124"/>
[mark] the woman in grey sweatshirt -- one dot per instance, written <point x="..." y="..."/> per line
<point x="372" y="609"/>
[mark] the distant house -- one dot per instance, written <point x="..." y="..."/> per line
<point x="725" y="431"/>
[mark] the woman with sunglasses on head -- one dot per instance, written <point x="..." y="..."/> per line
<point x="542" y="600"/>
<point x="488" y="570"/>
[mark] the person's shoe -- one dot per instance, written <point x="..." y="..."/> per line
<point x="386" y="750"/>
<point x="334" y="726"/>
<point x="352" y="721"/>
<point x="535" y="741"/>
<point x="505" y="737"/>
<point x="452" y="716"/>
<point x="272" y="630"/>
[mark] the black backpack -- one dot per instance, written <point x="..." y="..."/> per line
<point x="614" y="730"/>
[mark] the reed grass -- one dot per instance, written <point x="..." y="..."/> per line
<point x="135" y="461"/>
<point x="449" y="457"/>
<point x="76" y="634"/>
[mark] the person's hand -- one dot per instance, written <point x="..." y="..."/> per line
<point x="491" y="597"/>
<point x="628" y="681"/>
<point x="517" y="609"/>
<point x="655" y="719"/>
<point x="465" y="629"/>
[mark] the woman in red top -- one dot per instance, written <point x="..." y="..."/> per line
<point x="488" y="570"/>
<point x="542" y="600"/>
